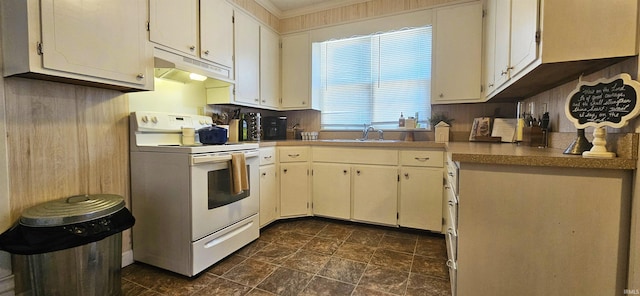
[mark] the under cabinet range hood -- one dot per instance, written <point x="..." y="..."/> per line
<point x="169" y="65"/>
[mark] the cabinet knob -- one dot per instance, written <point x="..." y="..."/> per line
<point x="284" y="171"/>
<point x="140" y="76"/>
<point x="358" y="172"/>
<point x="206" y="52"/>
<point x="441" y="95"/>
<point x="192" y="47"/>
<point x="344" y="172"/>
<point x="451" y="174"/>
<point x="264" y="174"/>
<point x="406" y="175"/>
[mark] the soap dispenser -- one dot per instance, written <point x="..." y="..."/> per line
<point x="401" y="120"/>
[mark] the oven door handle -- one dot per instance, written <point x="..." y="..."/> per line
<point x="219" y="157"/>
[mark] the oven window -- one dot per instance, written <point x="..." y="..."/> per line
<point x="220" y="188"/>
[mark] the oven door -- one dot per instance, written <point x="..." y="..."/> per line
<point x="213" y="205"/>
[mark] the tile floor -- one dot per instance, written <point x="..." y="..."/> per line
<point x="313" y="256"/>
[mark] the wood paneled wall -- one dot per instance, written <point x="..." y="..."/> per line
<point x="64" y="140"/>
<point x="260" y="13"/>
<point x="353" y="12"/>
<point x="556" y="98"/>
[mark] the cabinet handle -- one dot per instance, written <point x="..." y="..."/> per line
<point x="406" y="175"/>
<point x="451" y="174"/>
<point x="206" y="52"/>
<point x="421" y="158"/>
<point x="140" y="76"/>
<point x="267" y="157"/>
<point x="192" y="47"/>
<point x="441" y="95"/>
<point x="294" y="155"/>
<point x="344" y="172"/>
<point x="451" y="264"/>
<point x="256" y="100"/>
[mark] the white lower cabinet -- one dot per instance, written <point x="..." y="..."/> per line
<point x="331" y="190"/>
<point x="268" y="194"/>
<point x="421" y="189"/>
<point x="294" y="181"/>
<point x="375" y="194"/>
<point x="421" y="198"/>
<point x="294" y="189"/>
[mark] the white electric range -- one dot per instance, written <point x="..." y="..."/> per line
<point x="187" y="215"/>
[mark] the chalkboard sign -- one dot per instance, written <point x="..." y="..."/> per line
<point x="605" y="102"/>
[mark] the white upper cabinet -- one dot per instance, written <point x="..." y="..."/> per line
<point x="269" y="68"/>
<point x="174" y="24"/>
<point x="296" y="71"/>
<point x="532" y="45"/>
<point x="84" y="42"/>
<point x="457" y="54"/>
<point x="247" y="58"/>
<point x="216" y="32"/>
<point x="202" y="31"/>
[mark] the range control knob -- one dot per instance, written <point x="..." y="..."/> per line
<point x="202" y="122"/>
<point x="144" y="119"/>
<point x="154" y="119"/>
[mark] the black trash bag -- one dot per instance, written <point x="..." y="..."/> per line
<point x="27" y="240"/>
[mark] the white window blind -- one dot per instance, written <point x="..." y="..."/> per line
<point x="372" y="79"/>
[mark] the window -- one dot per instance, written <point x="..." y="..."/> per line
<point x="372" y="79"/>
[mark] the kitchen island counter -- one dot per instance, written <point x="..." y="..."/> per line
<point x="513" y="154"/>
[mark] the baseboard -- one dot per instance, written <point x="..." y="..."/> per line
<point x="7" y="286"/>
<point x="127" y="258"/>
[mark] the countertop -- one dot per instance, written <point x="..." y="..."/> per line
<point x="486" y="153"/>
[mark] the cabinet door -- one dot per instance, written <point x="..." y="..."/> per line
<point x="489" y="46"/>
<point x="502" y="16"/>
<point x="294" y="189"/>
<point x="173" y="24"/>
<point x="524" y="24"/>
<point x="296" y="71"/>
<point x="375" y="194"/>
<point x="247" y="48"/>
<point x="421" y="198"/>
<point x="457" y="54"/>
<point x="268" y="194"/>
<point x="104" y="39"/>
<point x="216" y="32"/>
<point x="332" y="190"/>
<point x="269" y="68"/>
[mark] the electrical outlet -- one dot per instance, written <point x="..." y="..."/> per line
<point x="200" y="110"/>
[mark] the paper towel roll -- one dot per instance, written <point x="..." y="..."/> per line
<point x="233" y="130"/>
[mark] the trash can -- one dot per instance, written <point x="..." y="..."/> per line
<point x="70" y="246"/>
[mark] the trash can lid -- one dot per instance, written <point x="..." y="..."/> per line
<point x="71" y="210"/>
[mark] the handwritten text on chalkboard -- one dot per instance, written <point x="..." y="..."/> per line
<point x="610" y="103"/>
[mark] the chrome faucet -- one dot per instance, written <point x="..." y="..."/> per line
<point x="366" y="130"/>
<point x="370" y="128"/>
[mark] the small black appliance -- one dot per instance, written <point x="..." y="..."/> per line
<point x="274" y="127"/>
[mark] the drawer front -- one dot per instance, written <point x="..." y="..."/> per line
<point x="453" y="275"/>
<point x="452" y="206"/>
<point x="267" y="155"/>
<point x="293" y="154"/>
<point x="422" y="158"/>
<point x="452" y="175"/>
<point x="356" y="155"/>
